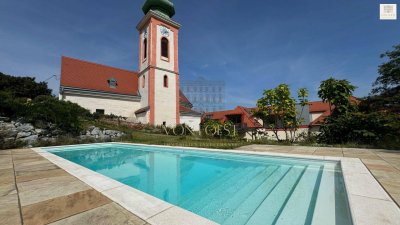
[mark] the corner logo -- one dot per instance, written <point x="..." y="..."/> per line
<point x="388" y="12"/>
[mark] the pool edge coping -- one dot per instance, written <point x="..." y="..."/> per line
<point x="360" y="185"/>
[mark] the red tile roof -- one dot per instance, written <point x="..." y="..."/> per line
<point x="183" y="100"/>
<point x="323" y="107"/>
<point x="318" y="106"/>
<point x="185" y="106"/>
<point x="246" y="116"/>
<point x="86" y="75"/>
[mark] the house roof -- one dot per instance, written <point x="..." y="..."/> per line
<point x="323" y="107"/>
<point x="183" y="100"/>
<point x="244" y="112"/>
<point x="91" y="76"/>
<point x="318" y="106"/>
<point x="185" y="106"/>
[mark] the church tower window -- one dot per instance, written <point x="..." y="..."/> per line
<point x="144" y="48"/>
<point x="143" y="81"/>
<point x="164" y="47"/>
<point x="166" y="81"/>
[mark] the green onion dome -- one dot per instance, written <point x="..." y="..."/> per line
<point x="163" y="6"/>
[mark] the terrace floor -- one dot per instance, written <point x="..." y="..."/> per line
<point x="383" y="164"/>
<point x="35" y="191"/>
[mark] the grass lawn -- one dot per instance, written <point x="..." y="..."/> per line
<point x="185" y="141"/>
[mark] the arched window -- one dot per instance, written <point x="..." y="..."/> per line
<point x="166" y="81"/>
<point x="164" y="47"/>
<point x="145" y="48"/>
<point x="143" y="81"/>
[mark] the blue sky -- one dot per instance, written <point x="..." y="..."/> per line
<point x="251" y="45"/>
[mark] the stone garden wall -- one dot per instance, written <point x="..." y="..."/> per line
<point x="26" y="133"/>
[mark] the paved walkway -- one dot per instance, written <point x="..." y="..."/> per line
<point x="35" y="191"/>
<point x="383" y="164"/>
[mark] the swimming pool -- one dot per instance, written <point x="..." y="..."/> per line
<point x="224" y="187"/>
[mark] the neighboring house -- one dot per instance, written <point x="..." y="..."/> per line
<point x="241" y="117"/>
<point x="312" y="116"/>
<point x="318" y="111"/>
<point x="150" y="95"/>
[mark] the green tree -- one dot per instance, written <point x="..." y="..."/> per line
<point x="23" y="87"/>
<point x="337" y="93"/>
<point x="277" y="109"/>
<point x="385" y="95"/>
<point x="302" y="96"/>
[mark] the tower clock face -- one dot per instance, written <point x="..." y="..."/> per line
<point x="164" y="31"/>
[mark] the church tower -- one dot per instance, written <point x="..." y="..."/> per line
<point x="158" y="64"/>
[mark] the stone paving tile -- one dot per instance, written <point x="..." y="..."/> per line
<point x="379" y="174"/>
<point x="26" y="158"/>
<point x="328" y="153"/>
<point x="5" y="162"/>
<point x="362" y="156"/>
<point x="61" y="207"/>
<point x="44" y="189"/>
<point x="396" y="198"/>
<point x="6" y="176"/>
<point x="391" y="185"/>
<point x="9" y="210"/>
<point x="110" y="214"/>
<point x="36" y="166"/>
<point x="300" y="152"/>
<point x="22" y="151"/>
<point x="375" y="162"/>
<point x="387" y="168"/>
<point x="7" y="189"/>
<point x="5" y="152"/>
<point x="23" y="176"/>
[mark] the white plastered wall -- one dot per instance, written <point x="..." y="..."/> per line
<point x="144" y="62"/>
<point x="143" y="117"/>
<point x="192" y="121"/>
<point x="144" y="91"/>
<point x="165" y="99"/>
<point x="123" y="108"/>
<point x="314" y="116"/>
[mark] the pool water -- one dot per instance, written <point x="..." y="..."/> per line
<point x="224" y="187"/>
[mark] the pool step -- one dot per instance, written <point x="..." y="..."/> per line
<point x="270" y="208"/>
<point x="211" y="192"/>
<point x="220" y="211"/>
<point x="223" y="175"/>
<point x="325" y="212"/>
<point x="300" y="207"/>
<point x="250" y="204"/>
<point x="223" y="205"/>
<point x="198" y="194"/>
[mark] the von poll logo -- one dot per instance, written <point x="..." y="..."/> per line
<point x="210" y="130"/>
<point x="388" y="11"/>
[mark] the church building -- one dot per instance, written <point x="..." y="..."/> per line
<point x="151" y="95"/>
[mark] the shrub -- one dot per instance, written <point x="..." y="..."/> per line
<point x="216" y="129"/>
<point x="67" y="116"/>
<point x="374" y="128"/>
